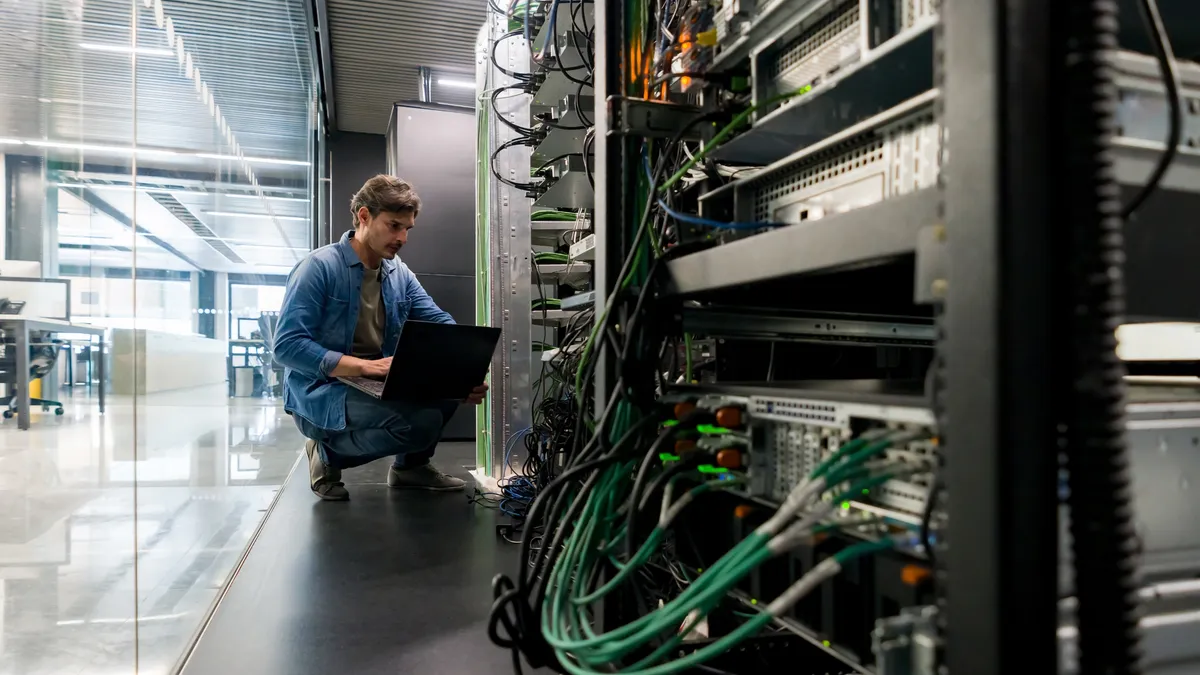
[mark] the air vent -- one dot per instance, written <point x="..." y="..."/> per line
<point x="185" y="216"/>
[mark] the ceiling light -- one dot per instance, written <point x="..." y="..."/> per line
<point x="274" y="199"/>
<point x="253" y="215"/>
<point x="125" y="49"/>
<point x="90" y="186"/>
<point x="252" y="160"/>
<point x="465" y="84"/>
<point x="173" y="190"/>
<point x="112" y="149"/>
<point x="147" y="152"/>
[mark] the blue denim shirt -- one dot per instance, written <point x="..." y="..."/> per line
<point x="317" y="320"/>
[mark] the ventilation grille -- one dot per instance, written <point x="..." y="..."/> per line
<point x="793" y="451"/>
<point x="798" y="410"/>
<point x="185" y="216"/>
<point x="822" y="167"/>
<point x="905" y="157"/>
<point x="818" y="50"/>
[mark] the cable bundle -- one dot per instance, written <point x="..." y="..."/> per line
<point x="595" y="552"/>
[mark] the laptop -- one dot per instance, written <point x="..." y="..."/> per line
<point x="434" y="362"/>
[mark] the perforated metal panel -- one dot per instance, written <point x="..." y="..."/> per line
<point x="894" y="160"/>
<point x="792" y="451"/>
<point x="819" y="50"/>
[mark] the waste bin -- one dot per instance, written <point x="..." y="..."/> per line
<point x="243" y="381"/>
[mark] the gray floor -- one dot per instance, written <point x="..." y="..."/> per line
<point x="199" y="474"/>
<point x="389" y="582"/>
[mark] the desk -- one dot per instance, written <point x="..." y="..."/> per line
<point x="20" y="328"/>
<point x="241" y="352"/>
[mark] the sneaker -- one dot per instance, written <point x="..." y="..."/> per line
<point x="424" y="477"/>
<point x="324" y="480"/>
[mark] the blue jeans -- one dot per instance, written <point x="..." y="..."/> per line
<point x="376" y="429"/>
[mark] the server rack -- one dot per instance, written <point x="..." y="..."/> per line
<point x="985" y="253"/>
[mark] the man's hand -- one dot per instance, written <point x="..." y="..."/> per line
<point x="377" y="370"/>
<point x="477" y="394"/>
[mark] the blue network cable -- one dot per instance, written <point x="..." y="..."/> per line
<point x="697" y="220"/>
<point x="707" y="222"/>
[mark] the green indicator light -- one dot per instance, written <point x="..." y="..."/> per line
<point x="753" y="601"/>
<point x="825" y="642"/>
<point x="668" y="457"/>
<point x="670" y="423"/>
<point x="805" y="89"/>
<point x="866" y="491"/>
<point x="709" y="468"/>
<point x="699" y="570"/>
<point x="845" y="506"/>
<point x="711" y="429"/>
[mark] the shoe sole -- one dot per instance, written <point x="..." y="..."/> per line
<point x="428" y="488"/>
<point x="326" y="498"/>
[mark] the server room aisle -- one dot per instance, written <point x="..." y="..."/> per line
<point x="389" y="582"/>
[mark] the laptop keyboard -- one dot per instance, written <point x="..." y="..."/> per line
<point x="373" y="387"/>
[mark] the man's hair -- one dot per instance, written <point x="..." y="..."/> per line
<point x="385" y="193"/>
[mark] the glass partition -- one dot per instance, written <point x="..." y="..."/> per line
<point x="157" y="159"/>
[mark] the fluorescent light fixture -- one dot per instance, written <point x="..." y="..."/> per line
<point x="89" y="186"/>
<point x="252" y="160"/>
<point x="231" y="214"/>
<point x="464" y="84"/>
<point x="125" y="49"/>
<point x="174" y="190"/>
<point x="274" y="199"/>
<point x="146" y="152"/>
<point x="110" y="149"/>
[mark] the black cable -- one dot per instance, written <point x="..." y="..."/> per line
<point x="567" y="71"/>
<point x="492" y="164"/>
<point x="555" y="159"/>
<point x="1166" y="63"/>
<point x="589" y="145"/>
<point x="524" y="131"/>
<point x="496" y="8"/>
<point x="516" y="76"/>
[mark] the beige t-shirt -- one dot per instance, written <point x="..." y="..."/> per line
<point x="368" y="332"/>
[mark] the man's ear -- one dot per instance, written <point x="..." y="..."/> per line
<point x="364" y="216"/>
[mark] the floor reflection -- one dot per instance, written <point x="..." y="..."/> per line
<point x="200" y="477"/>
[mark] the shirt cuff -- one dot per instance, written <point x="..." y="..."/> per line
<point x="329" y="362"/>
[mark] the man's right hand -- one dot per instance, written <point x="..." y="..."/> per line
<point x="377" y="370"/>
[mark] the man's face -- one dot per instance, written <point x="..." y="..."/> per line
<point x="385" y="233"/>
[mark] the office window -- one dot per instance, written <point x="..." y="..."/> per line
<point x="247" y="302"/>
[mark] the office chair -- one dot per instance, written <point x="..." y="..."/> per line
<point x="43" y="354"/>
<point x="267" y="323"/>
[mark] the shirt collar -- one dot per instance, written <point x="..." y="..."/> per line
<point x="350" y="258"/>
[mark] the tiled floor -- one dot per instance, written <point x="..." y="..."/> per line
<point x="77" y="594"/>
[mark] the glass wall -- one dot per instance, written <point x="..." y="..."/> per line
<point x="157" y="164"/>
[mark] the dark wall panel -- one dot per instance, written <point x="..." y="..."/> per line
<point x="355" y="158"/>
<point x="434" y="149"/>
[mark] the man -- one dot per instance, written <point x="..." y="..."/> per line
<point x="342" y="312"/>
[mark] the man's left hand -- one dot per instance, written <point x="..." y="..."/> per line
<point x="477" y="394"/>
